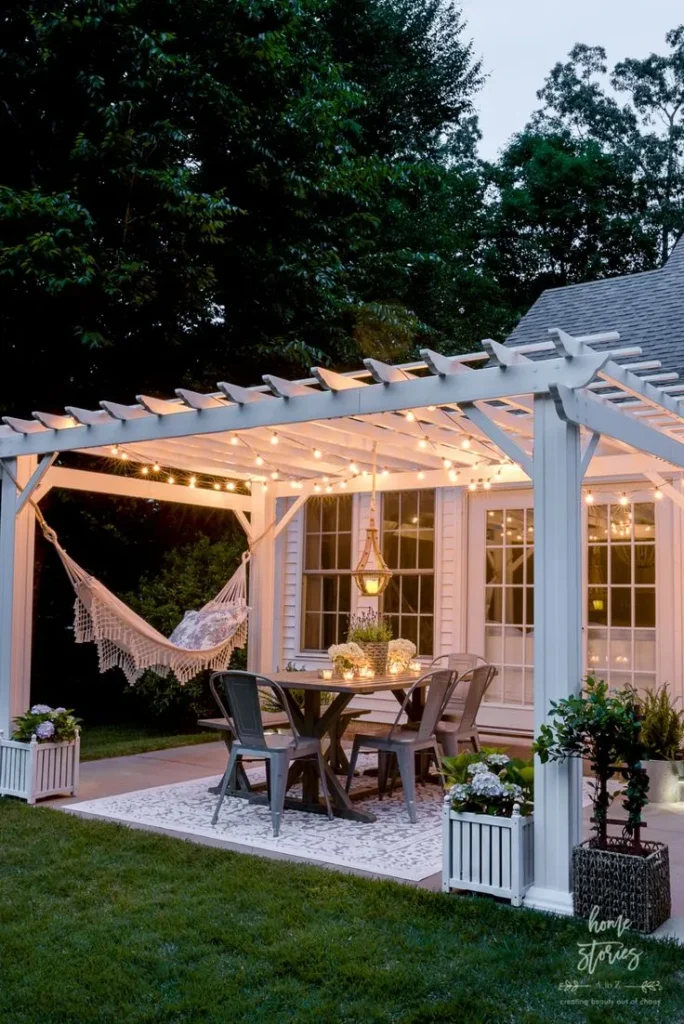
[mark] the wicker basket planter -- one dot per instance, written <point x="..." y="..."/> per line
<point x="35" y="770"/>
<point x="376" y="654"/>
<point x="622" y="883"/>
<point x="489" y="854"/>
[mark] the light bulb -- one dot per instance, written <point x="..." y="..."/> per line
<point x="264" y="488"/>
<point x="589" y="498"/>
<point x="234" y="439"/>
<point x="447" y="463"/>
<point x="453" y="476"/>
<point x="124" y="456"/>
<point x="274" y="439"/>
<point x="353" y="468"/>
<point x="156" y="467"/>
<point x="384" y="472"/>
<point x="145" y="470"/>
<point x="657" y="494"/>
<point x="259" y="460"/>
<point x="472" y="486"/>
<point x="274" y="474"/>
<point x="230" y="486"/>
<point x="192" y="481"/>
<point x="421" y="474"/>
<point x="497" y="475"/>
<point x="343" y="483"/>
<point x="624" y="500"/>
<point x="328" y="489"/>
<point x="217" y="487"/>
<point x="465" y="443"/>
<point x="326" y="479"/>
<point x="410" y="416"/>
<point x="487" y="485"/>
<point x="422" y="443"/>
<point x="317" y="488"/>
<point x="248" y="485"/>
<point x="114" y="449"/>
<point x="317" y="453"/>
<point x="171" y="480"/>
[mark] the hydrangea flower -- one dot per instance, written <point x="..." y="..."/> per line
<point x="45" y="730"/>
<point x="60" y="711"/>
<point x="460" y="792"/>
<point x="486" y="784"/>
<point x="511" y="791"/>
<point x="498" y="760"/>
<point x="477" y="767"/>
<point x="41" y="709"/>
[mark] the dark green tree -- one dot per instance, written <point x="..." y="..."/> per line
<point x="641" y="125"/>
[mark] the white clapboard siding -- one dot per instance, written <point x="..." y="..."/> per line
<point x="450" y="570"/>
<point x="290" y="589"/>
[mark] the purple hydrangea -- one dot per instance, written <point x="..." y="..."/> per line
<point x="487" y="784"/>
<point x="45" y="730"/>
<point x="41" y="709"/>
<point x="60" y="711"/>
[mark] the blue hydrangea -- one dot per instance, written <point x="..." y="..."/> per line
<point x="41" y="709"/>
<point x="486" y="784"/>
<point x="60" y="711"/>
<point x="477" y="768"/>
<point x="498" y="760"/>
<point x="45" y="730"/>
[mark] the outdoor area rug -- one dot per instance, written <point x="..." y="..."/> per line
<point x="390" y="846"/>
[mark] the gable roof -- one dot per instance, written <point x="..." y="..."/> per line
<point x="647" y="309"/>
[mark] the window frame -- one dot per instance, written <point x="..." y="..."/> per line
<point x="417" y="572"/>
<point x="300" y="595"/>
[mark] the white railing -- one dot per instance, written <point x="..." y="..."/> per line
<point x="36" y="770"/>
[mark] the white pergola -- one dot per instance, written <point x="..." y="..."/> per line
<point x="551" y="413"/>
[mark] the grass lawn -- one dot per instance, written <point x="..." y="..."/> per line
<point x="98" y="741"/>
<point x="101" y="923"/>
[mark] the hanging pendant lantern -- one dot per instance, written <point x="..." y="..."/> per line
<point x="371" y="574"/>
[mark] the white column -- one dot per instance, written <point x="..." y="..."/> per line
<point x="17" y="544"/>
<point x="557" y="646"/>
<point x="261" y="583"/>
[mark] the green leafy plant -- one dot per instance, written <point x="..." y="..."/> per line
<point x="369" y="627"/>
<point x="662" y="725"/>
<point x="489" y="782"/>
<point x="605" y="728"/>
<point x="48" y="725"/>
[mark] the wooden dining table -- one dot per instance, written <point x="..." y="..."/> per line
<point x="319" y="720"/>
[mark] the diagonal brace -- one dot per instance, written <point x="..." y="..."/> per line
<point x="501" y="439"/>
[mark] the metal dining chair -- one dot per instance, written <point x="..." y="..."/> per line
<point x="240" y="692"/>
<point x="462" y="663"/>
<point x="456" y="726"/>
<point x="407" y="740"/>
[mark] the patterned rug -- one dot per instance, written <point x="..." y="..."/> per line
<point x="390" y="847"/>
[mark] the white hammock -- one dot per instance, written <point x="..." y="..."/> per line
<point x="204" y="639"/>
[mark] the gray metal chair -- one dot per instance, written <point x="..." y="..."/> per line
<point x="462" y="663"/>
<point x="405" y="741"/>
<point x="457" y="725"/>
<point x="243" y="711"/>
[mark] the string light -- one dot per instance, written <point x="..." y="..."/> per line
<point x="124" y="456"/>
<point x="410" y="416"/>
<point x="497" y="475"/>
<point x="171" y="480"/>
<point x="343" y="483"/>
<point x="422" y="443"/>
<point x="472" y="486"/>
<point x="624" y="500"/>
<point x="353" y="468"/>
<point x="487" y="485"/>
<point x="259" y="461"/>
<point x="453" y="475"/>
<point x="465" y="443"/>
<point x="230" y="486"/>
<point x="328" y="489"/>
<point x="384" y="472"/>
<point x="192" y="481"/>
<point x="217" y="487"/>
<point x="234" y="439"/>
<point x="658" y="494"/>
<point x="317" y="453"/>
<point x="114" y="449"/>
<point x="274" y="474"/>
<point x="156" y="467"/>
<point x="326" y="479"/>
<point x="248" y="485"/>
<point x="447" y="463"/>
<point x="264" y="488"/>
<point x="274" y="439"/>
<point x="421" y="474"/>
<point x="317" y="488"/>
<point x="145" y="470"/>
<point x="432" y="408"/>
<point x="589" y="498"/>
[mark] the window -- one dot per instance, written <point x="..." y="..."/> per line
<point x="509" y="603"/>
<point x="326" y="597"/>
<point x="408" y="547"/>
<point x="621" y="600"/>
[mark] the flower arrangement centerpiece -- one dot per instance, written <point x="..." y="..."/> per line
<point x="372" y="634"/>
<point x="42" y="757"/>
<point x="489" y="782"/>
<point x="400" y="654"/>
<point x="346" y="657"/>
<point x="53" y="725"/>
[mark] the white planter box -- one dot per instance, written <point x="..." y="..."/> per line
<point x="36" y="770"/>
<point x="484" y="853"/>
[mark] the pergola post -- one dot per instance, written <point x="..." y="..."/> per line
<point x="557" y="646"/>
<point x="261" y="582"/>
<point x="17" y="547"/>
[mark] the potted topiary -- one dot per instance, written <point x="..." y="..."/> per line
<point x="42" y="758"/>
<point x="372" y="634"/>
<point x="621" y="875"/>
<point x="488" y="834"/>
<point x="662" y="733"/>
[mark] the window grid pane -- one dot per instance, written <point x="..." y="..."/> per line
<point x="326" y="586"/>
<point x="408" y="547"/>
<point x="621" y="605"/>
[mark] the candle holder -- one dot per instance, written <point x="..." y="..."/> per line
<point x="325" y="673"/>
<point x="415" y="666"/>
<point x="394" y="669"/>
<point x="348" y="674"/>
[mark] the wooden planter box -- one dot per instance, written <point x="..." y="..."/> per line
<point x="483" y="853"/>
<point x="622" y="883"/>
<point x="36" y="770"/>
